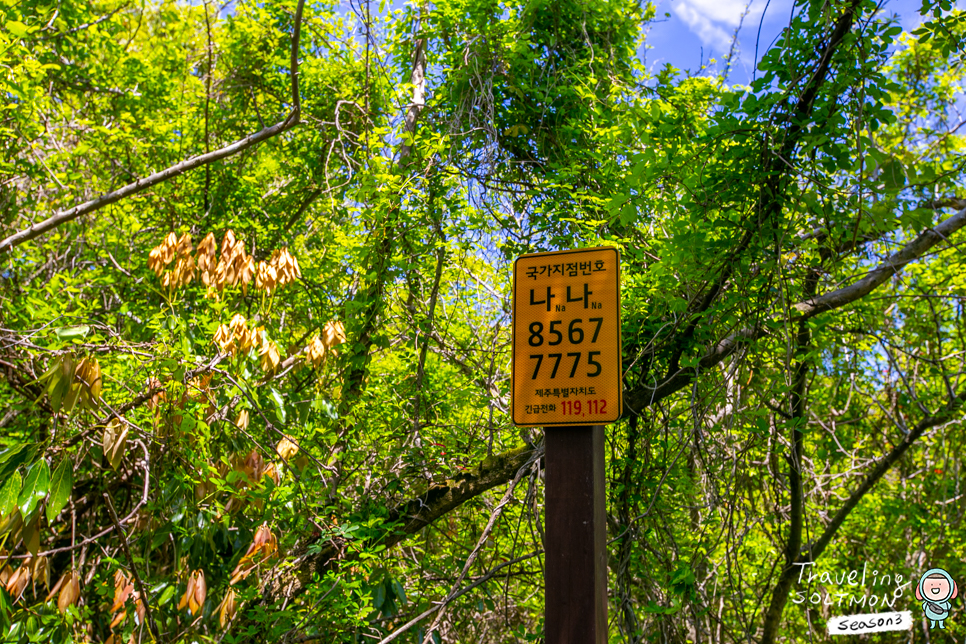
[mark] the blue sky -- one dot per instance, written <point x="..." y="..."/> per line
<point x="690" y="33"/>
<point x="694" y="31"/>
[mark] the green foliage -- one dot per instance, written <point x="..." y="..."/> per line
<point x="302" y="421"/>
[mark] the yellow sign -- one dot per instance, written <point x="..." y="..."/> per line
<point x="567" y="338"/>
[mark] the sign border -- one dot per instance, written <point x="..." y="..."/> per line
<point x="620" y="339"/>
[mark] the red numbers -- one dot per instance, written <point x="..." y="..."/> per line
<point x="585" y="408"/>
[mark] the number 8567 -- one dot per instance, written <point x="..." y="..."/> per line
<point x="575" y="334"/>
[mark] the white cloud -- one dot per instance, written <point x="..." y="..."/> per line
<point x="714" y="21"/>
<point x="709" y="33"/>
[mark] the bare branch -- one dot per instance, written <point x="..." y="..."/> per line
<point x="814" y="550"/>
<point x="455" y="595"/>
<point x="294" y="65"/>
<point x="64" y="216"/>
<point x="912" y="251"/>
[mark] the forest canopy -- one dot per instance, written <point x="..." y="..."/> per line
<point x="255" y="285"/>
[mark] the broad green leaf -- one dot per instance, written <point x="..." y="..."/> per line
<point x="11" y="452"/>
<point x="61" y="483"/>
<point x="68" y="332"/>
<point x="9" y="493"/>
<point x="71" y="397"/>
<point x="167" y="595"/>
<point x="58" y="388"/>
<point x="893" y="175"/>
<point x="279" y="404"/>
<point x="398" y="590"/>
<point x="35" y="487"/>
<point x="17" y="28"/>
<point x="14" y="457"/>
<point x="304" y="407"/>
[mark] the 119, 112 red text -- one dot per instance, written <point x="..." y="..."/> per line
<point x="585" y="408"/>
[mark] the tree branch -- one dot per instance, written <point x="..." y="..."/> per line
<point x="294" y="63"/>
<point x="814" y="550"/>
<point x="641" y="397"/>
<point x="796" y="494"/>
<point x="131" y="189"/>
<point x="776" y="171"/>
<point x="134" y="570"/>
<point x="412" y="516"/>
<point x="910" y="252"/>
<point x="456" y="595"/>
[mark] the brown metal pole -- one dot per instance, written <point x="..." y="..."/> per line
<point x="576" y="550"/>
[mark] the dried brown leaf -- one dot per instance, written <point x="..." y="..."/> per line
<point x="114" y="441"/>
<point x="227" y="608"/>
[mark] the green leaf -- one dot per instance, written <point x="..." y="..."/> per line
<point x="303" y="407"/>
<point x="279" y="404"/>
<point x="628" y="214"/>
<point x="35" y="487"/>
<point x="13" y="458"/>
<point x="8" y="495"/>
<point x="11" y="452"/>
<point x="61" y="484"/>
<point x="17" y="28"/>
<point x="167" y="595"/>
<point x="398" y="591"/>
<point x="893" y="175"/>
<point x="68" y="332"/>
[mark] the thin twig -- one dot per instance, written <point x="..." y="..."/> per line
<point x="134" y="570"/>
<point x="494" y="516"/>
<point x="131" y="189"/>
<point x="482" y="580"/>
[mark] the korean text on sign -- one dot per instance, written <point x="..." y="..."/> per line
<point x="566" y="338"/>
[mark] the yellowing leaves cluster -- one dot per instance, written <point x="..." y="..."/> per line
<point x="235" y="266"/>
<point x="280" y="269"/>
<point x="231" y="266"/>
<point x="269" y="355"/>
<point x="206" y="258"/>
<point x="227" y="608"/>
<point x="34" y="569"/>
<point x="114" y="441"/>
<point x="194" y="596"/>
<point x="236" y="337"/>
<point x="124" y="589"/>
<point x="15" y="581"/>
<point x="243" y="419"/>
<point x="264" y="546"/>
<point x="252" y="468"/>
<point x="287" y="448"/>
<point x="67" y="590"/>
<point x="333" y="333"/>
<point x="171" y="249"/>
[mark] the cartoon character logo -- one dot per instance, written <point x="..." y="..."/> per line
<point x="936" y="588"/>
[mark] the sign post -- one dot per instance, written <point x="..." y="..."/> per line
<point x="567" y="379"/>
